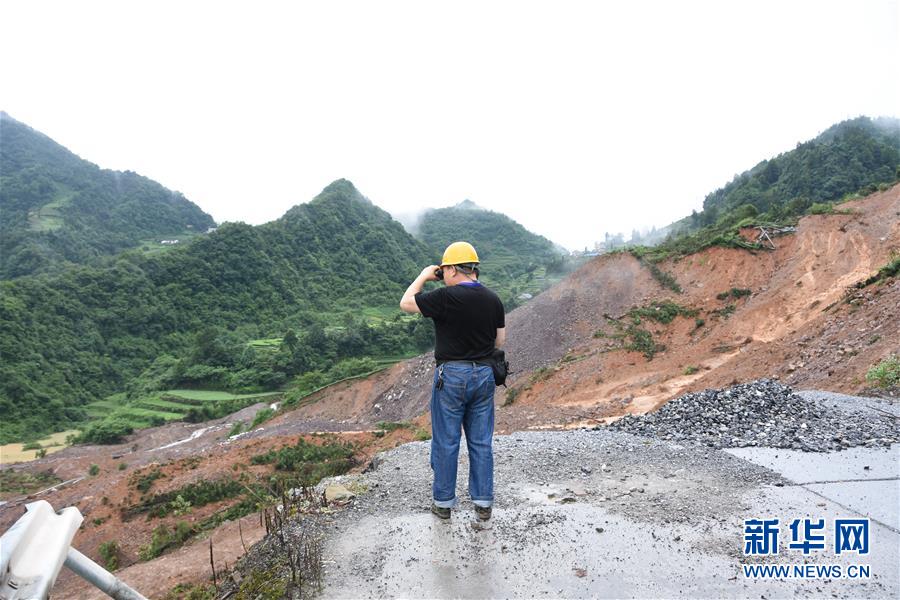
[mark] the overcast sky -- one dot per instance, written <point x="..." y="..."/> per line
<point x="574" y="118"/>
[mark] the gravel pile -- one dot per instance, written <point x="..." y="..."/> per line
<point x="763" y="413"/>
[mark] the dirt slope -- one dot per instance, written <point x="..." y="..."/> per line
<point x="793" y="325"/>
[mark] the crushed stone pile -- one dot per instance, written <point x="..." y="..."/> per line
<point x="762" y="413"/>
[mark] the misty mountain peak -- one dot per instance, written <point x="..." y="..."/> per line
<point x="468" y="205"/>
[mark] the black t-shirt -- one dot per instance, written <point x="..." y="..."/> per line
<point x="466" y="318"/>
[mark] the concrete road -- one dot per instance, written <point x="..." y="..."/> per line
<point x="604" y="514"/>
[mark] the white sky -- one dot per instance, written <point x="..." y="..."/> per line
<point x="574" y="118"/>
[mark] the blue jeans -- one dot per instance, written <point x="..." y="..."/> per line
<point x="465" y="401"/>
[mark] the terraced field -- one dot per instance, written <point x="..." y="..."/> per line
<point x="163" y="407"/>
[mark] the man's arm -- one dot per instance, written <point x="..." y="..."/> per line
<point x="408" y="302"/>
<point x="501" y="337"/>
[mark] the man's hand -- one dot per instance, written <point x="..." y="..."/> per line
<point x="408" y="302"/>
<point x="428" y="273"/>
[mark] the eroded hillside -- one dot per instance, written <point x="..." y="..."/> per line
<point x="780" y="313"/>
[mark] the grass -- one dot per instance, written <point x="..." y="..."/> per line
<point x="165" y="406"/>
<point x="13" y="483"/>
<point x="266" y="343"/>
<point x="393" y="425"/>
<point x="49" y="216"/>
<point x="886" y="373"/>
<point x="891" y="269"/>
<point x="213" y="395"/>
<point x="661" y="311"/>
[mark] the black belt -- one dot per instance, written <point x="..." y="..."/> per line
<point x="486" y="361"/>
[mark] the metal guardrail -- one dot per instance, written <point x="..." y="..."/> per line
<point x="36" y="547"/>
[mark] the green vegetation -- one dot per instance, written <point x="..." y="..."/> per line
<point x="849" y="160"/>
<point x="59" y="209"/>
<point x="111" y="431"/>
<point x="393" y="426"/>
<point x="190" y="591"/>
<point x="634" y="337"/>
<point x="142" y="325"/>
<point x="514" y="261"/>
<point x="735" y="293"/>
<point x="236" y="429"/>
<point x="886" y="373"/>
<point x="690" y="370"/>
<point x="511" y="395"/>
<point x="13" y="482"/>
<point x="194" y="495"/>
<point x="310" y="462"/>
<point x="94" y="470"/>
<point x="261" y="417"/>
<point x="164" y="539"/>
<point x="144" y="480"/>
<point x="724" y="312"/>
<point x="109" y="553"/>
<point x="663" y="312"/>
<point x="667" y="280"/>
<point x="891" y="269"/>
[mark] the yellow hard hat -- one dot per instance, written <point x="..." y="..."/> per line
<point x="459" y="253"/>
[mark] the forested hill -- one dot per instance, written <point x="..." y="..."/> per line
<point x="846" y="158"/>
<point x="849" y="160"/>
<point x="76" y="336"/>
<point x="57" y="207"/>
<point x="511" y="256"/>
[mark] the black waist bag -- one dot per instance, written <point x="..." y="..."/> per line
<point x="499" y="365"/>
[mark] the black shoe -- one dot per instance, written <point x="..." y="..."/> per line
<point x="440" y="511"/>
<point x="483" y="512"/>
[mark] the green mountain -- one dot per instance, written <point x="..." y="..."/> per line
<point x="324" y="280"/>
<point x="850" y="159"/>
<point x="58" y="208"/>
<point x="514" y="260"/>
<point x="845" y="158"/>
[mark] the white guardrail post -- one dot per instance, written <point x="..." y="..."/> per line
<point x="35" y="548"/>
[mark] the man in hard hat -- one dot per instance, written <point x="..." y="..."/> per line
<point x="469" y="323"/>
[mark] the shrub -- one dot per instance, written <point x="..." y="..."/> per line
<point x="164" y="538"/>
<point x="181" y="500"/>
<point x="690" y="370"/>
<point x="392" y="426"/>
<point x="262" y="416"/>
<point x="179" y="506"/>
<point x="236" y="429"/>
<point x="94" y="470"/>
<point x="820" y="208"/>
<point x="41" y="453"/>
<point x="107" y="431"/>
<point x="31" y="446"/>
<point x="662" y="312"/>
<point x="886" y="373"/>
<point x="310" y="461"/>
<point x="109" y="552"/>
<point x="511" y="395"/>
<point x="143" y="482"/>
<point x="122" y="466"/>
